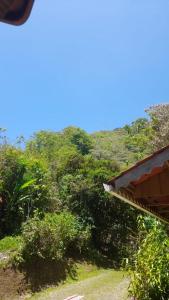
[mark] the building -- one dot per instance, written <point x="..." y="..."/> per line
<point x="145" y="185"/>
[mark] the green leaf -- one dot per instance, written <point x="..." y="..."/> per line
<point x="27" y="184"/>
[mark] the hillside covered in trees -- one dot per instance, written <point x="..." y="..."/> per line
<point x="52" y="197"/>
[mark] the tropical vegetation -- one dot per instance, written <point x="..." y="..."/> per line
<point x="53" y="206"/>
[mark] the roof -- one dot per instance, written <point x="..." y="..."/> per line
<point x="145" y="185"/>
<point x="15" y="12"/>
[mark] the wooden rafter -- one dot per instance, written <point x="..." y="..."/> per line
<point x="145" y="185"/>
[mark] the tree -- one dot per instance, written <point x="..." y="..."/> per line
<point x="67" y="161"/>
<point x="23" y="188"/>
<point x="44" y="144"/>
<point x="111" y="145"/>
<point x="138" y="137"/>
<point x="159" y="115"/>
<point x="111" y="221"/>
<point x="47" y="143"/>
<point x="79" y="138"/>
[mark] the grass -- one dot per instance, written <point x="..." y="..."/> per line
<point x="91" y="282"/>
<point x="9" y="243"/>
<point x="8" y="246"/>
<point x="84" y="271"/>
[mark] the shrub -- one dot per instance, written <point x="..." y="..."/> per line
<point x="150" y="280"/>
<point x="52" y="237"/>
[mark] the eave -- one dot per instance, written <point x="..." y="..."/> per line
<point x="145" y="185"/>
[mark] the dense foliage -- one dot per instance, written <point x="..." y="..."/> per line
<point x="150" y="279"/>
<point x="52" y="237"/>
<point x="58" y="172"/>
<point x="23" y="188"/>
<point x="160" y="125"/>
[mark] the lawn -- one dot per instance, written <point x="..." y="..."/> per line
<point x="93" y="283"/>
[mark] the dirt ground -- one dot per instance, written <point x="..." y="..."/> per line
<point x="33" y="278"/>
<point x="12" y="284"/>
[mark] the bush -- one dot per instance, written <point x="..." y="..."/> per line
<point x="150" y="280"/>
<point x="52" y="237"/>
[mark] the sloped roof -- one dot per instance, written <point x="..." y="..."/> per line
<point x="145" y="185"/>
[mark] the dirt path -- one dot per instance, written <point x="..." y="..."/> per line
<point x="105" y="286"/>
<point x="121" y="291"/>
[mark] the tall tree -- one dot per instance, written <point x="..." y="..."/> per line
<point x="159" y="115"/>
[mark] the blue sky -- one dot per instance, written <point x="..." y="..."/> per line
<point x="93" y="64"/>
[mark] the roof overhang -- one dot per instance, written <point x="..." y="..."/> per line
<point x="15" y="12"/>
<point x="145" y="185"/>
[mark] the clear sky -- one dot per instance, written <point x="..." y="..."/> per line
<point x="96" y="64"/>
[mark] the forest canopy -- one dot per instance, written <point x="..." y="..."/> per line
<point x="63" y="172"/>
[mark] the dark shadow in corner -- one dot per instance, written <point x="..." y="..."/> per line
<point x="94" y="257"/>
<point x="41" y="273"/>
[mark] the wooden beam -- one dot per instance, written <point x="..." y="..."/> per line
<point x="163" y="211"/>
<point x="157" y="204"/>
<point x="155" y="186"/>
<point x="130" y="200"/>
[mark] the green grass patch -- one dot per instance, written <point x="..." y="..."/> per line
<point x="10" y="243"/>
<point x="100" y="277"/>
<point x="84" y="271"/>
